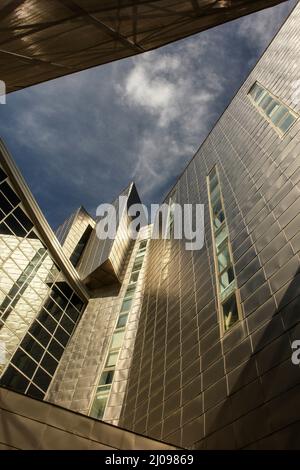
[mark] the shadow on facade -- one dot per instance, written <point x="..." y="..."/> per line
<point x="260" y="411"/>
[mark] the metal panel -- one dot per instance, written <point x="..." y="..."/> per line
<point x="46" y="39"/>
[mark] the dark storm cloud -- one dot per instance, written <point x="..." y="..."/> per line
<point x="81" y="139"/>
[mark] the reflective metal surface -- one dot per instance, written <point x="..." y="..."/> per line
<point x="46" y="39"/>
<point x="34" y="425"/>
<point x="189" y="384"/>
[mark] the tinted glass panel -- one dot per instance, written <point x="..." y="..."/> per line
<point x="9" y="193"/>
<point x="42" y="379"/>
<point x="34" y="392"/>
<point x="15" y="226"/>
<point x="67" y="324"/>
<point x="49" y="363"/>
<point x="47" y="321"/>
<point x="61" y="336"/>
<point x="99" y="405"/>
<point x="59" y="298"/>
<point x="286" y="123"/>
<point x="111" y="359"/>
<point x="55" y="349"/>
<point x="72" y="312"/>
<point x="54" y="309"/>
<point x="22" y="217"/>
<point x="5" y="205"/>
<point x="13" y="379"/>
<point x="106" y="377"/>
<point x="77" y="302"/>
<point x="32" y="347"/>
<point x="230" y="312"/>
<point x="126" y="305"/>
<point x="24" y="363"/>
<point x="2" y="175"/>
<point x="40" y="333"/>
<point x="117" y="339"/>
<point x="4" y="230"/>
<point x="122" y="321"/>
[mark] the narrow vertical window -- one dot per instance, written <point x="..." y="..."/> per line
<point x="226" y="283"/>
<point x="106" y="378"/>
<point x="78" y="250"/>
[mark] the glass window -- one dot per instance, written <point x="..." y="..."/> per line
<point x="59" y="298"/>
<point x="53" y="308"/>
<point x="35" y="392"/>
<point x="14" y="379"/>
<point x="265" y="102"/>
<point x="217" y="206"/>
<point x="272" y="108"/>
<point x="61" y="336"/>
<point x="46" y="320"/>
<point x="32" y="347"/>
<point x="219" y="219"/>
<point x="130" y="290"/>
<point x="72" y="312"/>
<point x="126" y="305"/>
<point x="287" y="122"/>
<point x="56" y="349"/>
<point x="226" y="278"/>
<point x="67" y="324"/>
<point x="42" y="379"/>
<point x="77" y="302"/>
<point x="215" y="195"/>
<point x="3" y="175"/>
<point x="137" y="264"/>
<point x="117" y="339"/>
<point x="143" y="244"/>
<point x="76" y="255"/>
<point x="15" y="226"/>
<point x="40" y="333"/>
<point x="111" y="359"/>
<point x="134" y="277"/>
<point x="223" y="257"/>
<point x="230" y="312"/>
<point x="99" y="404"/>
<point x="5" y="205"/>
<point x="24" y="363"/>
<point x="213" y="183"/>
<point x="106" y="377"/>
<point x="277" y="113"/>
<point x="22" y="217"/>
<point x="4" y="230"/>
<point x="9" y="193"/>
<point x="224" y="268"/>
<point x="221" y="235"/>
<point x="65" y="289"/>
<point x="122" y="320"/>
<point x="49" y="363"/>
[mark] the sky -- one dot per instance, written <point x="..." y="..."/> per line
<point x="80" y="139"/>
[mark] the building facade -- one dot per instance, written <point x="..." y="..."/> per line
<point x="189" y="347"/>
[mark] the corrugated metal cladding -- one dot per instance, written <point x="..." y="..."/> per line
<point x="187" y="385"/>
<point x="46" y="39"/>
